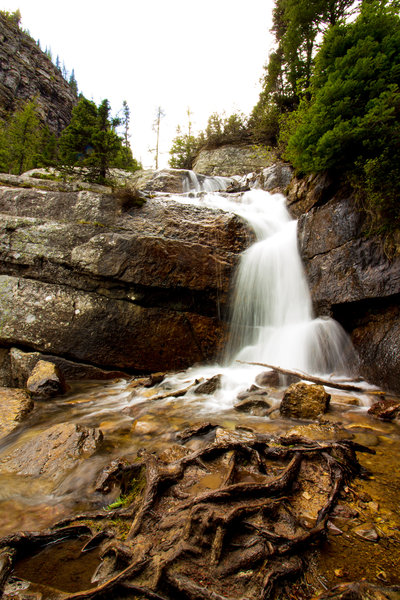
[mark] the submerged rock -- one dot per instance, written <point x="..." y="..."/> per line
<point x="254" y="405"/>
<point x="53" y="452"/>
<point x="386" y="409"/>
<point x="46" y="381"/>
<point x="210" y="386"/>
<point x="304" y="401"/>
<point x="15" y="405"/>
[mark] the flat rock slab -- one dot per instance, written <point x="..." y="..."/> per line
<point x="53" y="452"/>
<point x="15" y="405"/>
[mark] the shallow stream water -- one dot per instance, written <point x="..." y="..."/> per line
<point x="272" y="323"/>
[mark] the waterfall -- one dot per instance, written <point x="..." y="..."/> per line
<point x="203" y="183"/>
<point x="272" y="319"/>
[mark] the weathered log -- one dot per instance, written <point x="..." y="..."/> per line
<point x="328" y="382"/>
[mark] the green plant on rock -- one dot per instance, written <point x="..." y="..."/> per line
<point x="352" y="121"/>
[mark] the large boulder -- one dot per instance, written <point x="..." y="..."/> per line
<point x="352" y="279"/>
<point x="304" y="401"/>
<point x="231" y="159"/>
<point x="140" y="289"/>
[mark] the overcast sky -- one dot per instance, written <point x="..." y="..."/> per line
<point x="207" y="56"/>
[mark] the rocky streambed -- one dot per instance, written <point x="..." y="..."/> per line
<point x="162" y="493"/>
<point x="170" y="482"/>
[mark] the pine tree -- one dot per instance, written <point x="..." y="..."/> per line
<point x="73" y="83"/>
<point x="21" y="139"/>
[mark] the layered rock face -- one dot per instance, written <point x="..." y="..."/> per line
<point x="142" y="290"/>
<point x="350" y="276"/>
<point x="232" y="160"/>
<point x="26" y="73"/>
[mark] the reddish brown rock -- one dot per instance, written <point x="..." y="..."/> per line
<point x="46" y="381"/>
<point x="303" y="401"/>
<point x="386" y="409"/>
<point x="53" y="452"/>
<point x="15" y="405"/>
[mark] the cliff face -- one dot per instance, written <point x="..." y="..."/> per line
<point x="139" y="290"/>
<point x="350" y="276"/>
<point x="27" y="73"/>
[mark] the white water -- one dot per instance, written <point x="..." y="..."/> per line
<point x="272" y="319"/>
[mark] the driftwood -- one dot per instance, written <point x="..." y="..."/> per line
<point x="319" y="380"/>
<point x="240" y="539"/>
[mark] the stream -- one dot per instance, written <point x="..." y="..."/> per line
<point x="271" y="322"/>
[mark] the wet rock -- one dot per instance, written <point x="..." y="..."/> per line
<point x="276" y="178"/>
<point x="154" y="379"/>
<point x="268" y="378"/>
<point x="366" y="531"/>
<point x="343" y="511"/>
<point x="144" y="427"/>
<point x="317" y="431"/>
<point x="333" y="530"/>
<point x="254" y="391"/>
<point x="46" y="381"/>
<point x="112" y="282"/>
<point x="231" y="159"/>
<point x="15" y="405"/>
<point x="53" y="452"/>
<point x="173" y="453"/>
<point x="22" y="364"/>
<point x="5" y="369"/>
<point x="254" y="405"/>
<point x="304" y="401"/>
<point x="105" y="331"/>
<point x="227" y="436"/>
<point x="210" y="386"/>
<point x="345" y="400"/>
<point x="386" y="409"/>
<point x="196" y="430"/>
<point x="352" y="278"/>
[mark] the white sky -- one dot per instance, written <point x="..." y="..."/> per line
<point x="207" y="56"/>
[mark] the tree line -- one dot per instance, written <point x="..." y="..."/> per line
<point x="90" y="145"/>
<point x="330" y="100"/>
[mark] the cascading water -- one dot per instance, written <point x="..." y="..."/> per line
<point x="271" y="317"/>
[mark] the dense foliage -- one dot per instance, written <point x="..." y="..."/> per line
<point x="24" y="142"/>
<point x="220" y="130"/>
<point x="351" y="122"/>
<point x="89" y="143"/>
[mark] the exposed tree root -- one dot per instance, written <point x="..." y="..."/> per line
<point x="236" y="539"/>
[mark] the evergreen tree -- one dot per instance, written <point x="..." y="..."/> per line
<point x="21" y="140"/>
<point x="297" y="24"/>
<point x="76" y="144"/>
<point x="73" y="83"/>
<point x="91" y="143"/>
<point x="352" y="122"/>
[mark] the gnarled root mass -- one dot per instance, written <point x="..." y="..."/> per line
<point x="231" y="520"/>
